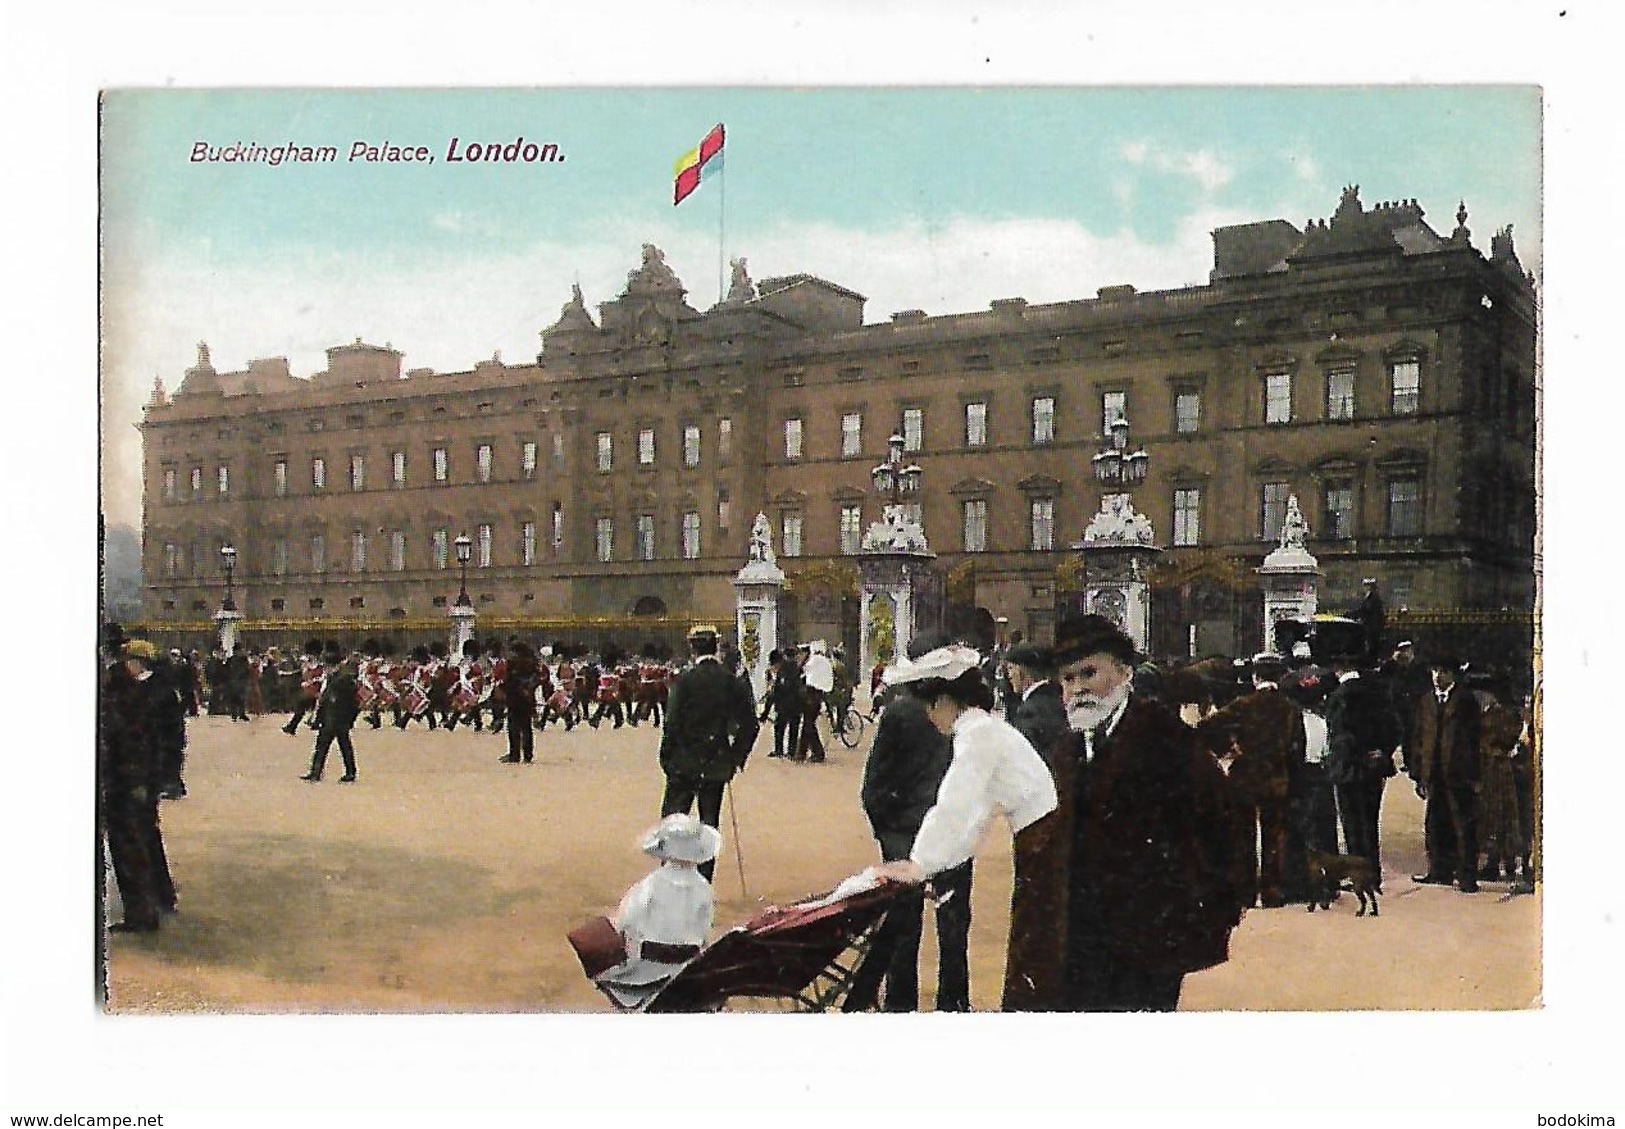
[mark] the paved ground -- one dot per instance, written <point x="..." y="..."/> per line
<point x="445" y="881"/>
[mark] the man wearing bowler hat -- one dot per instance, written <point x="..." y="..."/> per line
<point x="336" y="714"/>
<point x="1448" y="772"/>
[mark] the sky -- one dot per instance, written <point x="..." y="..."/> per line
<point x="940" y="199"/>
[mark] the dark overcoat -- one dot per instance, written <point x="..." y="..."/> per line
<point x="1040" y="716"/>
<point x="1446" y="738"/>
<point x="710" y="725"/>
<point x="907" y="761"/>
<point x="1268" y="727"/>
<point x="1362" y="732"/>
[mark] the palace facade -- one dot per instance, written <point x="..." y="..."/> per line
<point x="1382" y="373"/>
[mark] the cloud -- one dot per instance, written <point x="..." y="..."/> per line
<point x="1201" y="165"/>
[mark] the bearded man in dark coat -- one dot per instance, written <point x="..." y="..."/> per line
<point x="1127" y="885"/>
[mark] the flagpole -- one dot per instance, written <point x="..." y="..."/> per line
<point x="722" y="226"/>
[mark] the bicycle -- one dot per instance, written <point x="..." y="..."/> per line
<point x="852" y="724"/>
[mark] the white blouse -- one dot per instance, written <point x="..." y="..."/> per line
<point x="994" y="770"/>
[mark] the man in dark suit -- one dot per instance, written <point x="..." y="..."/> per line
<point x="1362" y="733"/>
<point x="709" y="730"/>
<point x="785" y="696"/>
<point x="1126" y="886"/>
<point x="1034" y="697"/>
<point x="907" y="760"/>
<point x="1371" y="615"/>
<point x="336" y="712"/>
<point x="1447" y="769"/>
<point x="1264" y="732"/>
<point x="129" y="755"/>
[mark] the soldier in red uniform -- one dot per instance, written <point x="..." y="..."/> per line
<point x="468" y="689"/>
<point x="310" y="685"/>
<point x="496" y="677"/>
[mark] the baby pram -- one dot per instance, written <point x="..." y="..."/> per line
<point x="802" y="957"/>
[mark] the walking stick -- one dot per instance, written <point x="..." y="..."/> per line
<point x="739" y="854"/>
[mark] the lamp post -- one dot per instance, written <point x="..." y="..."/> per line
<point x="228" y="556"/>
<point x="895" y="560"/>
<point x="228" y="617"/>
<point x="1119" y="546"/>
<point x="899" y="484"/>
<point x="1115" y="465"/>
<point x="465" y="550"/>
<point x="462" y="612"/>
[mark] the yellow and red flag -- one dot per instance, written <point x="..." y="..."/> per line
<point x="700" y="163"/>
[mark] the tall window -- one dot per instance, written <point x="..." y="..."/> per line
<point x="172" y="559"/>
<point x="558" y="527"/>
<point x="318" y="553"/>
<point x="790" y="534"/>
<point x="222" y="480"/>
<point x="606" y="451"/>
<point x="1405" y="380"/>
<point x="975" y="525"/>
<point x="646" y="447"/>
<point x="397" y="551"/>
<point x="1278" y="397"/>
<point x="646" y="537"/>
<point x="1187" y="412"/>
<point x="397" y="467"/>
<point x="279" y="557"/>
<point x="358" y="551"/>
<point x="442" y="544"/>
<point x="1274" y="509"/>
<point x="1405" y="506"/>
<point x="913" y="428"/>
<point x="527" y="459"/>
<point x="851" y="529"/>
<point x="792" y="438"/>
<point x="442" y="465"/>
<point x="691" y="535"/>
<point x="197" y="482"/>
<point x="318" y="473"/>
<point x="169" y="482"/>
<point x="1340" y="394"/>
<point x="358" y="472"/>
<point x="691" y="445"/>
<point x="1187" y="516"/>
<point x="725" y="437"/>
<point x="482" y="461"/>
<point x="851" y="435"/>
<point x="482" y="547"/>
<point x="1113" y="406"/>
<point x="558" y="448"/>
<point x="604" y="537"/>
<point x="1043" y="420"/>
<point x="1339" y="510"/>
<point x="976" y="425"/>
<point x="724" y="509"/>
<point x="527" y="543"/>
<point x="1043" y="523"/>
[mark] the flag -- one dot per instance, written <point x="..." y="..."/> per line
<point x="700" y="163"/>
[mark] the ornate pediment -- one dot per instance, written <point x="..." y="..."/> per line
<point x="1040" y="486"/>
<point x="972" y="488"/>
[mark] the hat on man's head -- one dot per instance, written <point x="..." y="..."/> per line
<point x="1078" y="637"/>
<point x="681" y="838"/>
<point x="1446" y="662"/>
<point x="1368" y="580"/>
<point x="1404" y="645"/>
<point x="946" y="663"/>
<point x="1031" y="656"/>
<point x="143" y="649"/>
<point x="701" y="630"/>
<point x="333" y="654"/>
<point x="925" y="643"/>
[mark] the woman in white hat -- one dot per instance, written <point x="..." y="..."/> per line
<point x="666" y="918"/>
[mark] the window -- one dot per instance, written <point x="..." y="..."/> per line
<point x="558" y="527"/>
<point x="441" y="546"/>
<point x="913" y="428"/>
<point x="318" y="553"/>
<point x="691" y="535"/>
<point x="527" y="543"/>
<point x="1340" y="394"/>
<point x="1274" y="509"/>
<point x="482" y="462"/>
<point x="1404" y="506"/>
<point x="358" y="472"/>
<point x="851" y="529"/>
<point x="792" y="438"/>
<point x="851" y="435"/>
<point x="975" y="525"/>
<point x="691" y="445"/>
<point x="646" y="447"/>
<point x="482" y="547"/>
<point x="172" y="559"/>
<point x="442" y="465"/>
<point x="1338" y="523"/>
<point x="1113" y="407"/>
<point x="976" y="425"/>
<point x="1278" y="397"/>
<point x="527" y="459"/>
<point x="1043" y="522"/>
<point x="197" y="482"/>
<point x="169" y="484"/>
<point x="1187" y="412"/>
<point x="1043" y="420"/>
<point x="1405" y="379"/>
<point x="397" y="550"/>
<point x="790" y="534"/>
<point x="318" y="473"/>
<point x="279" y="477"/>
<point x="558" y="448"/>
<point x="279" y="557"/>
<point x="606" y="451"/>
<point x="1188" y="516"/>
<point x="724" y="510"/>
<point x="646" y="537"/>
<point x="358" y="551"/>
<point x="725" y="437"/>
<point x="397" y="468"/>
<point x="604" y="535"/>
<point x="222" y="480"/>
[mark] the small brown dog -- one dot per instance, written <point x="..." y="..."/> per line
<point x="1327" y="872"/>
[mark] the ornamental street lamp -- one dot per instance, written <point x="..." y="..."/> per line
<point x="465" y="550"/>
<point x="1115" y="465"/>
<point x="228" y="556"/>
<point x="1119" y="547"/>
<point x="893" y="480"/>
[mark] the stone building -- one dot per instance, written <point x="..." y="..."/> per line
<point x="1380" y="372"/>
